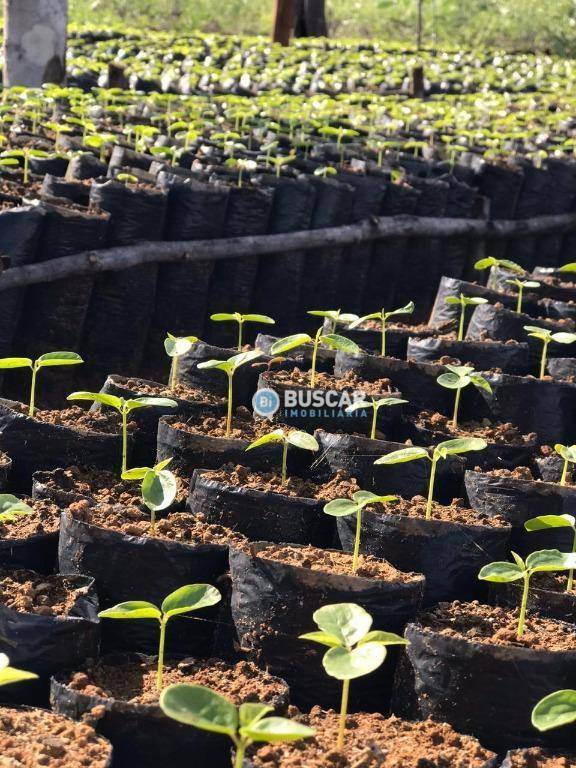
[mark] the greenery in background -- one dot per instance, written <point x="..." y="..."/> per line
<point x="548" y="25"/>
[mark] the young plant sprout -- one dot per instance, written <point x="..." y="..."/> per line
<point x="375" y="405"/>
<point x="546" y="560"/>
<point x="332" y="340"/>
<point x="13" y="157"/>
<point x="458" y="377"/>
<point x="247" y="724"/>
<point x="547" y="522"/>
<point x="568" y="453"/>
<point x="230" y="367"/>
<point x="159" y="487"/>
<point x="355" y="506"/>
<point x="520" y="285"/>
<point x="441" y="451"/>
<point x="50" y="359"/>
<point x="463" y="302"/>
<point x="546" y="337"/>
<point x="383" y="316"/>
<point x="334" y="317"/>
<point x="175" y="347"/>
<point x="354" y="650"/>
<point x="186" y="599"/>
<point x="555" y="710"/>
<point x="241" y="166"/>
<point x="124" y="407"/>
<point x="298" y="439"/>
<point x="12" y="509"/>
<point x="9" y="675"/>
<point x="236" y="317"/>
<point x="490" y="261"/>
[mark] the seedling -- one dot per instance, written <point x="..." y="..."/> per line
<point x="236" y="317"/>
<point x="13" y="157"/>
<point x="568" y="453"/>
<point x="332" y="340"/>
<point x="298" y="439"/>
<point x="354" y="650"/>
<point x="241" y="166"/>
<point x="247" y="724"/>
<point x="12" y="509"/>
<point x="124" y="407"/>
<point x="571" y="267"/>
<point x="175" y="347"/>
<point x="547" y="522"/>
<point x="50" y="359"/>
<point x="555" y="710"/>
<point x="520" y="285"/>
<point x="463" y="302"/>
<point x="9" y="675"/>
<point x="506" y="264"/>
<point x="383" y="316"/>
<point x="334" y="317"/>
<point x="441" y="451"/>
<point x="546" y="560"/>
<point x="355" y="506"/>
<point x="375" y="405"/>
<point x="186" y="599"/>
<point x="546" y="337"/>
<point x="159" y="487"/>
<point x="458" y="377"/>
<point x="230" y="367"/>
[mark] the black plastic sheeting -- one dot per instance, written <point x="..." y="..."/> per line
<point x="163" y="566"/>
<point x="56" y="311"/>
<point x="233" y="280"/>
<point x="482" y="689"/>
<point x="448" y="554"/>
<point x="34" y="445"/>
<point x="20" y="231"/>
<point x="334" y="202"/>
<point x="49" y="644"/>
<point x="273" y="603"/>
<point x="195" y="211"/>
<point x="122" y="303"/>
<point x="292" y="211"/>
<point x="142" y="734"/>
<point x="274" y="517"/>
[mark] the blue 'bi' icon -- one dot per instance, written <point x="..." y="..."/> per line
<point x="265" y="402"/>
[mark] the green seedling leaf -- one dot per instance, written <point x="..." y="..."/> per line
<point x="58" y="358"/>
<point x="146" y="402"/>
<point x="132" y="609"/>
<point x="290" y="342"/>
<point x="567" y="452"/>
<point x="98" y="397"/>
<point x="555" y="710"/>
<point x="159" y="489"/>
<point x="386" y="638"/>
<point x="276" y="729"/>
<point x="501" y="572"/>
<point x="176" y="346"/>
<point x="550" y="560"/>
<point x="335" y="341"/>
<point x="191" y="597"/>
<point x="361" y="405"/>
<point x="322" y="638"/>
<point x="277" y="436"/>
<point x="200" y="707"/>
<point x="571" y="267"/>
<point x="9" y="675"/>
<point x="251" y="712"/>
<point x="345" y="664"/>
<point x="303" y="440"/>
<point x="6" y="363"/>
<point x="403" y="455"/>
<point x="544" y="522"/>
<point x="461" y="445"/>
<point x="347" y="622"/>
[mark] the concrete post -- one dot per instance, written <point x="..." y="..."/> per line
<point x="35" y="41"/>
